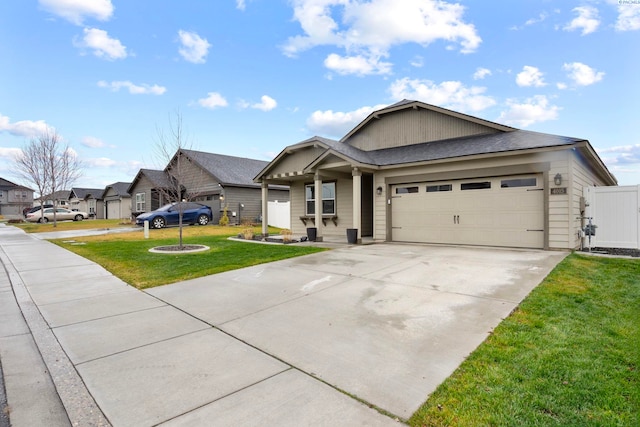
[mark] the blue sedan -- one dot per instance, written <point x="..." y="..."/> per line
<point x="192" y="213"/>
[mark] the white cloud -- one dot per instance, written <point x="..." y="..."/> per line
<point x="101" y="162"/>
<point x="530" y="76"/>
<point x="27" y="128"/>
<point x="628" y="17"/>
<point x="417" y="61"/>
<point x="133" y="89"/>
<point x="266" y="103"/>
<point x="194" y="48"/>
<point x="561" y="86"/>
<point x="241" y="4"/>
<point x="481" y="73"/>
<point x="213" y="100"/>
<point x="103" y="46"/>
<point x="10" y="153"/>
<point x="358" y="65"/>
<point x="450" y="94"/>
<point x="587" y="20"/>
<point x="533" y="110"/>
<point x="368" y="30"/>
<point x="581" y="74"/>
<point x="75" y="11"/>
<point x="621" y="155"/>
<point x="92" y="142"/>
<point x="337" y="123"/>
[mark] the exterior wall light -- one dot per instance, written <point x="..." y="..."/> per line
<point x="557" y="180"/>
<point x="379" y="191"/>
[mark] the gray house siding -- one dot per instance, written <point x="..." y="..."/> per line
<point x="410" y="127"/>
<point x="251" y="199"/>
<point x="153" y="200"/>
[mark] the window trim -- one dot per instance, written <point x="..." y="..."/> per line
<point x="475" y="185"/>
<point x="307" y="200"/>
<point x="141" y="202"/>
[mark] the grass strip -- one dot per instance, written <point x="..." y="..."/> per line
<point x="567" y="356"/>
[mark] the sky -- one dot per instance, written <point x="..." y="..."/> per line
<point x="249" y="77"/>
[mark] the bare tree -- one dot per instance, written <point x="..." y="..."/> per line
<point x="185" y="179"/>
<point x="49" y="165"/>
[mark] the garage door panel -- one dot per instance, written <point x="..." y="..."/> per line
<point x="493" y="216"/>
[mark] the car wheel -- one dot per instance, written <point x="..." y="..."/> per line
<point x="158" y="222"/>
<point x="203" y="219"/>
<point x="45" y="219"/>
<point x="78" y="218"/>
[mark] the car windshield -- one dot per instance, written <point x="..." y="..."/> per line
<point x="165" y="208"/>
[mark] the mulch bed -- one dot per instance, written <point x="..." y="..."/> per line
<point x="615" y="251"/>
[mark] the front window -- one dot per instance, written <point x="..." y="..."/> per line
<point x="140" y="202"/>
<point x="328" y="198"/>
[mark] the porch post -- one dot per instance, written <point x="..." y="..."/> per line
<point x="265" y="208"/>
<point x="318" y="206"/>
<point x="357" y="202"/>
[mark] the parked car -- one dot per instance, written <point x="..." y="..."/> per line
<point x="62" y="214"/>
<point x="192" y="213"/>
<point x="26" y="211"/>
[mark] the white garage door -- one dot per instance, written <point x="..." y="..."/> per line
<point x="113" y="209"/>
<point x="498" y="211"/>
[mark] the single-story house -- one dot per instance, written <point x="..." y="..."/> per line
<point x="414" y="172"/>
<point x="87" y="200"/>
<point x="117" y="201"/>
<point x="216" y="180"/>
<point x="59" y="199"/>
<point x="14" y="198"/>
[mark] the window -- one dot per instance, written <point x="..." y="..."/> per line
<point x="328" y="198"/>
<point x="436" y="188"/>
<point x="406" y="190"/>
<point x="475" y="185"/>
<point x="140" y="202"/>
<point x="519" y="182"/>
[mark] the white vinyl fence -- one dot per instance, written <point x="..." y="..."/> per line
<point x="616" y="213"/>
<point x="279" y="214"/>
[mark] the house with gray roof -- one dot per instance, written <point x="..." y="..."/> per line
<point x="117" y="201"/>
<point x="14" y="198"/>
<point x="414" y="172"/>
<point x="87" y="200"/>
<point x="216" y="180"/>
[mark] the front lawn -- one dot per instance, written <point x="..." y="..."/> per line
<point x="127" y="255"/>
<point x="35" y="227"/>
<point x="568" y="356"/>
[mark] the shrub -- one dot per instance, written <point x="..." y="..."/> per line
<point x="247" y="233"/>
<point x="224" y="219"/>
<point x="286" y="234"/>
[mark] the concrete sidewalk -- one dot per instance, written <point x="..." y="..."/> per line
<point x="284" y="343"/>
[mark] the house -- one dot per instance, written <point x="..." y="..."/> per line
<point x="117" y="201"/>
<point x="414" y="172"/>
<point x="216" y="180"/>
<point x="58" y="199"/>
<point x="87" y="200"/>
<point x="14" y="198"/>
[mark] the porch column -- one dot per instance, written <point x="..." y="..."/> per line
<point x="265" y="208"/>
<point x="318" y="206"/>
<point x="357" y="202"/>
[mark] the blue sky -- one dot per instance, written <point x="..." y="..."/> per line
<point x="250" y="77"/>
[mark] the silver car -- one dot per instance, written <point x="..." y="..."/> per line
<point x="62" y="214"/>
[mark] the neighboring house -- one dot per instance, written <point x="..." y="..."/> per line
<point x="87" y="200"/>
<point x="146" y="191"/>
<point x="414" y="172"/>
<point x="58" y="199"/>
<point x="14" y="198"/>
<point x="216" y="180"/>
<point x="117" y="201"/>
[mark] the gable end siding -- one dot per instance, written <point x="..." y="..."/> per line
<point x="408" y="127"/>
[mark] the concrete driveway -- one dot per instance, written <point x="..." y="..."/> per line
<point x="386" y="323"/>
<point x="275" y="344"/>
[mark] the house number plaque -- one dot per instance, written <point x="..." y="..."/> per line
<point x="559" y="190"/>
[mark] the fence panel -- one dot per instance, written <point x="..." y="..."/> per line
<point x="616" y="212"/>
<point x="279" y="214"/>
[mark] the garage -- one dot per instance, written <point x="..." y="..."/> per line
<point x="494" y="211"/>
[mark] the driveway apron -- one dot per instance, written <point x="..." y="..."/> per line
<point x="285" y="343"/>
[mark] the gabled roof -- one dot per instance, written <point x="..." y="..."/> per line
<point x="58" y="195"/>
<point x="5" y="184"/>
<point x="159" y="179"/>
<point x="83" y="193"/>
<point x="406" y="104"/>
<point x="227" y="170"/>
<point x="120" y="188"/>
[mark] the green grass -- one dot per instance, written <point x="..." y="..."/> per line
<point x="127" y="255"/>
<point x="568" y="356"/>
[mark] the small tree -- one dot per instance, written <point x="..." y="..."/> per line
<point x="49" y="165"/>
<point x="185" y="181"/>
